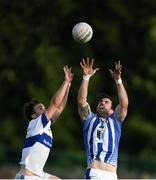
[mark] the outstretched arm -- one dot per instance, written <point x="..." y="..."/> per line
<point x="88" y="71"/>
<point x="121" y="109"/>
<point x="59" y="100"/>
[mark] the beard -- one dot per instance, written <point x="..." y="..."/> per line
<point x="102" y="112"/>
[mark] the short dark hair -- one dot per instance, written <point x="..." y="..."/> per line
<point x="104" y="95"/>
<point x="29" y="107"/>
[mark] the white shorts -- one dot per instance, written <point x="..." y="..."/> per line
<point x="100" y="174"/>
<point x="22" y="176"/>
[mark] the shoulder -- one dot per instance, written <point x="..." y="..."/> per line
<point x="115" y="117"/>
<point x="32" y="123"/>
<point x="91" y="115"/>
<point x="39" y="121"/>
<point x="86" y="122"/>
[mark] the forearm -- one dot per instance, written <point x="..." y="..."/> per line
<point x="83" y="92"/>
<point x="64" y="100"/>
<point x="122" y="94"/>
<point x="62" y="106"/>
<point x="59" y="97"/>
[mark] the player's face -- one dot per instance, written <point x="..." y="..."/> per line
<point x="104" y="106"/>
<point x="39" y="109"/>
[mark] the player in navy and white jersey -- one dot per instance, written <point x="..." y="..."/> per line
<point x="102" y="130"/>
<point x="39" y="137"/>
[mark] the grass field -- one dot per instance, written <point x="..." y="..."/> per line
<point x="71" y="165"/>
<point x="8" y="172"/>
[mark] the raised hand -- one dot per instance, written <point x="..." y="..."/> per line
<point x="116" y="74"/>
<point x="68" y="73"/>
<point x="87" y="66"/>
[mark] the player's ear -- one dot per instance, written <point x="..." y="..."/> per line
<point x="33" y="115"/>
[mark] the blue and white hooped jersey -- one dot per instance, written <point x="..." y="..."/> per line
<point x="101" y="138"/>
<point x="37" y="145"/>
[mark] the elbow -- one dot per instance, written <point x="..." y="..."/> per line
<point x="125" y="105"/>
<point x="81" y="103"/>
<point x="56" y="103"/>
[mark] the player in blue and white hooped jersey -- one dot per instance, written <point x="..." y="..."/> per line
<point x="102" y="130"/>
<point x="38" y="141"/>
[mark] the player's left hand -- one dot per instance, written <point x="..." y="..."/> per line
<point x="116" y="74"/>
<point x="68" y="73"/>
<point x="87" y="66"/>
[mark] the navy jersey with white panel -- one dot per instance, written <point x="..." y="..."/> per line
<point x="101" y="138"/>
<point x="37" y="145"/>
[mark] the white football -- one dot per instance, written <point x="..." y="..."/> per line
<point x="82" y="32"/>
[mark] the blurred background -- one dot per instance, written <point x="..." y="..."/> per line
<point x="35" y="43"/>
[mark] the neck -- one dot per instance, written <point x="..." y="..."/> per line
<point x="105" y="115"/>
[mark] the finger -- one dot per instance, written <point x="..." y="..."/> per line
<point x="119" y="63"/>
<point x="111" y="71"/>
<point x="72" y="76"/>
<point x="81" y="64"/>
<point x="87" y="61"/>
<point x="118" y="66"/>
<point x="92" y="62"/>
<point x="115" y="65"/>
<point x="96" y="69"/>
<point x="65" y="69"/>
<point x="83" y="61"/>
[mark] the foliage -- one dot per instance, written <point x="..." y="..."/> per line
<point x="35" y="43"/>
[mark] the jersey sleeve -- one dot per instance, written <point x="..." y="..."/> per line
<point x="116" y="118"/>
<point x="87" y="121"/>
<point x="37" y="126"/>
<point x="44" y="120"/>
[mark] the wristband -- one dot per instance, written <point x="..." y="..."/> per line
<point x="86" y="77"/>
<point x="118" y="81"/>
